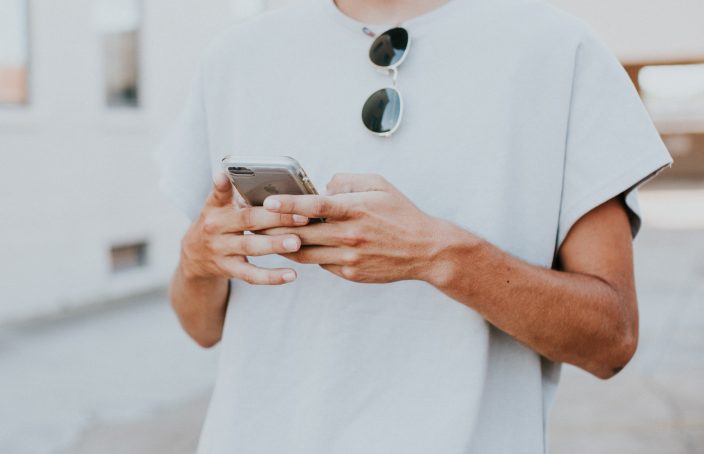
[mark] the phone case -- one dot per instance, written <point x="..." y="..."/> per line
<point x="257" y="178"/>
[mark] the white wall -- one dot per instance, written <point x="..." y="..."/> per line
<point x="76" y="177"/>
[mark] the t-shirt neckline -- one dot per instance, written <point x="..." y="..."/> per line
<point x="413" y="25"/>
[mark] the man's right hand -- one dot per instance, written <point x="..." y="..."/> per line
<point x="216" y="244"/>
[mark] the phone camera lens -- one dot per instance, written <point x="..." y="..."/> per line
<point x="242" y="171"/>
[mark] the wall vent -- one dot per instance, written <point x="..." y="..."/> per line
<point x="128" y="256"/>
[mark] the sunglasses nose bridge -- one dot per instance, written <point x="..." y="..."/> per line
<point x="393" y="72"/>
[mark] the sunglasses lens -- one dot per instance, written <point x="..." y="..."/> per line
<point x="388" y="48"/>
<point x="382" y="111"/>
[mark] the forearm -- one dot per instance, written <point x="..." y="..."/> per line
<point x="214" y="250"/>
<point x="200" y="304"/>
<point x="566" y="317"/>
<point x="586" y="316"/>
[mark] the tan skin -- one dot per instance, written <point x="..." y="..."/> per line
<point x="584" y="313"/>
<point x="215" y="249"/>
<point x="386" y="11"/>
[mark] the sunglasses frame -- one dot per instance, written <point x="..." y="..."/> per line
<point x="391" y="70"/>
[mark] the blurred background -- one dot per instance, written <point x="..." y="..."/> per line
<point x="91" y="358"/>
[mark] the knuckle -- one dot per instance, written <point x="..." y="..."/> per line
<point x="246" y="219"/>
<point x="352" y="237"/>
<point x="210" y="245"/>
<point x="350" y="258"/>
<point x="286" y="219"/>
<point x="321" y="206"/>
<point x="358" y="210"/>
<point x="247" y="276"/>
<point x="272" y="278"/>
<point x="224" y="270"/>
<point x="209" y="223"/>
<point x="349" y="273"/>
<point x="246" y="246"/>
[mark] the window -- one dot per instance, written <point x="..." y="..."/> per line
<point x="128" y="256"/>
<point x="119" y="23"/>
<point x="14" y="52"/>
<point x="673" y="90"/>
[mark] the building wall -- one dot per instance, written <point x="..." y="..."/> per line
<point x="77" y="177"/>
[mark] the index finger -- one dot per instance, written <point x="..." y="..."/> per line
<point x="311" y="206"/>
<point x="252" y="219"/>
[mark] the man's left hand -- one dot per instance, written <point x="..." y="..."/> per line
<point x="372" y="233"/>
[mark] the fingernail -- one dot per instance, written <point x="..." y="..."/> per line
<point x="220" y="178"/>
<point x="289" y="277"/>
<point x="291" y="244"/>
<point x="298" y="219"/>
<point x="272" y="204"/>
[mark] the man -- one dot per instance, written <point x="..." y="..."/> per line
<point x="496" y="222"/>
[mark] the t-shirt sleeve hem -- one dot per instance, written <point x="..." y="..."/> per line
<point x="183" y="201"/>
<point x="621" y="184"/>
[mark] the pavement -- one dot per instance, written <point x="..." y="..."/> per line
<point x="656" y="404"/>
<point x="122" y="380"/>
<point x="126" y="379"/>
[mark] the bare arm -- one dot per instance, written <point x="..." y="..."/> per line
<point x="584" y="314"/>
<point x="215" y="250"/>
<point x="200" y="304"/>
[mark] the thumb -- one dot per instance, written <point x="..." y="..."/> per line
<point x="222" y="192"/>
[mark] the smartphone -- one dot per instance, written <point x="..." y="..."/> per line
<point x="258" y="178"/>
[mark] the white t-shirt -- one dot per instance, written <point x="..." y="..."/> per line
<point x="518" y="119"/>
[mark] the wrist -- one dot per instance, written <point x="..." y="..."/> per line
<point x="452" y="250"/>
<point x="189" y="271"/>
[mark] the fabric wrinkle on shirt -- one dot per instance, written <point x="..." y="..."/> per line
<point x="517" y="117"/>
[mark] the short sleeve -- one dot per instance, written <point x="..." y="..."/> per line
<point x="612" y="145"/>
<point x="183" y="157"/>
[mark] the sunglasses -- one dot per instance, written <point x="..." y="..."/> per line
<point x="383" y="109"/>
